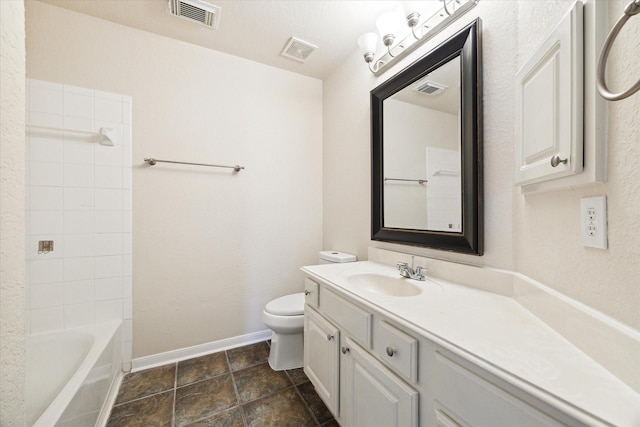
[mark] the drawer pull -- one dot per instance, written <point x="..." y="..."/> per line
<point x="307" y="292"/>
<point x="391" y="351"/>
<point x="329" y="337"/>
<point x="345" y="350"/>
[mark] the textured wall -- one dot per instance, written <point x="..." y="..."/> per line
<point x="210" y="247"/>
<point x="12" y="215"/>
<point x="347" y="169"/>
<point x="547" y="226"/>
<point x="537" y="235"/>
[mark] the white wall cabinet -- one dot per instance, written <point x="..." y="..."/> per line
<point x="371" y="371"/>
<point x="549" y="105"/>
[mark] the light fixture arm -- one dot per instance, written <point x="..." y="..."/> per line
<point x="420" y="33"/>
<point x="412" y="21"/>
<point x="446" y="9"/>
<point x="368" y="58"/>
<point x="375" y="68"/>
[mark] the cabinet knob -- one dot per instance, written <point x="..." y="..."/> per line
<point x="307" y="292"/>
<point x="345" y="350"/>
<point x="391" y="351"/>
<point x="329" y="337"/>
<point x="556" y="160"/>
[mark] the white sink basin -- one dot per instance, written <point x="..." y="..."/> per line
<point x="384" y="285"/>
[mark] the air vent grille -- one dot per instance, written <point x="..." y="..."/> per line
<point x="195" y="10"/>
<point x="430" y="88"/>
<point x="298" y="50"/>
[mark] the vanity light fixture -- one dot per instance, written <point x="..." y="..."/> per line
<point x="389" y="27"/>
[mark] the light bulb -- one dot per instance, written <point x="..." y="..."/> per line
<point x="389" y="22"/>
<point x="368" y="43"/>
<point x="412" y="6"/>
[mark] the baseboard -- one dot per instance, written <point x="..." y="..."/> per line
<point x="173" y="356"/>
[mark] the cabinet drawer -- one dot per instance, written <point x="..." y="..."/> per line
<point x="310" y="292"/>
<point x="467" y="399"/>
<point x="351" y="318"/>
<point x="398" y="349"/>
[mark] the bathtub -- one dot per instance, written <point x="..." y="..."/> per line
<point x="70" y="375"/>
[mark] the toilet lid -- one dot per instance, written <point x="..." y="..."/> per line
<point x="288" y="305"/>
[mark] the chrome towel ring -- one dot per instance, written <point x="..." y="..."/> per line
<point x="631" y="9"/>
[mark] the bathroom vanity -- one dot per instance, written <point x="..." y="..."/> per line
<point x="383" y="350"/>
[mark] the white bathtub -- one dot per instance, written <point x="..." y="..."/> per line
<point x="69" y="374"/>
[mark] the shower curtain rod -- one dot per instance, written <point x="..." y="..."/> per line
<point x="153" y="161"/>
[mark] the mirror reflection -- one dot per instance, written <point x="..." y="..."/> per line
<point x="421" y="153"/>
<point x="426" y="150"/>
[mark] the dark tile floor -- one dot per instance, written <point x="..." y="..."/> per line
<point x="233" y="388"/>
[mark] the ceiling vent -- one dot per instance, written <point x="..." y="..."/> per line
<point x="298" y="50"/>
<point x="430" y="88"/>
<point x="195" y="10"/>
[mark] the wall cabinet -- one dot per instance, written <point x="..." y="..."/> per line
<point x="371" y="371"/>
<point x="549" y="106"/>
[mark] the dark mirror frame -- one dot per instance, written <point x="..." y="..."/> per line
<point x="465" y="44"/>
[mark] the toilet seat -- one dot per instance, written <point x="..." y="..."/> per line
<point x="288" y="305"/>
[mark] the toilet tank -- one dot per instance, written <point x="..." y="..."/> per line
<point x="330" y="257"/>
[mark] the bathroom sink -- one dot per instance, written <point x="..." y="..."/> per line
<point x="384" y="284"/>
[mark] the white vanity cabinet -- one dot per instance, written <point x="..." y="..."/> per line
<point x="321" y="357"/>
<point x="371" y="395"/>
<point x="358" y="388"/>
<point x="374" y="370"/>
<point x="468" y="396"/>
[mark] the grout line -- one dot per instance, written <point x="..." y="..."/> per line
<point x="240" y="405"/>
<point x="304" y="402"/>
<point x="175" y="393"/>
<point x="235" y="389"/>
<point x="142" y="397"/>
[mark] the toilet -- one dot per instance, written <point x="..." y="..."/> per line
<point x="285" y="317"/>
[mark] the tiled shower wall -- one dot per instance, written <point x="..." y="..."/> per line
<point x="79" y="196"/>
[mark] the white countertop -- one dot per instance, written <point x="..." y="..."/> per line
<point x="498" y="331"/>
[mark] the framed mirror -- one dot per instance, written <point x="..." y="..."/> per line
<point x="426" y="150"/>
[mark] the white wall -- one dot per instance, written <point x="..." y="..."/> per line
<point x="537" y="235"/>
<point x="12" y="215"/>
<point x="210" y="247"/>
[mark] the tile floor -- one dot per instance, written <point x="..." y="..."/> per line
<point x="233" y="388"/>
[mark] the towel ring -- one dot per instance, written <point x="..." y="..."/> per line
<point x="631" y="9"/>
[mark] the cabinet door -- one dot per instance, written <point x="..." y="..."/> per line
<point x="371" y="395"/>
<point x="463" y="398"/>
<point x="321" y="357"/>
<point x="549" y="106"/>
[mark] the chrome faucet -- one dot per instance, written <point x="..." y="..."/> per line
<point x="409" y="273"/>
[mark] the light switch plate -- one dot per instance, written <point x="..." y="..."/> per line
<point x="593" y="213"/>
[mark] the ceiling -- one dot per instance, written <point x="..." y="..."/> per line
<point x="255" y="29"/>
<point x="448" y="100"/>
